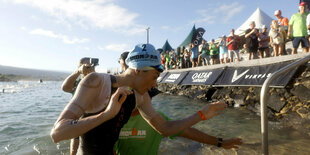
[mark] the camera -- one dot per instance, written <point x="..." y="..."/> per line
<point x="94" y="61"/>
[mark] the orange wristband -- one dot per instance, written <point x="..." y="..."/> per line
<point x="202" y="115"/>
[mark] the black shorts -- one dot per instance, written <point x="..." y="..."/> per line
<point x="214" y="56"/>
<point x="262" y="48"/>
<point x="252" y="50"/>
<point x="194" y="59"/>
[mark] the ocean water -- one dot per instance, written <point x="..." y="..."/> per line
<point x="29" y="109"/>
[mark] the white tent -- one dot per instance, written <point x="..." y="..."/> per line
<point x="260" y="18"/>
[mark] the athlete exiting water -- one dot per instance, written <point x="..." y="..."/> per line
<point x="97" y="116"/>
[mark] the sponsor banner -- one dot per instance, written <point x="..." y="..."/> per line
<point x="254" y="76"/>
<point x="174" y="77"/>
<point x="205" y="77"/>
<point x="197" y="36"/>
<point x="161" y="76"/>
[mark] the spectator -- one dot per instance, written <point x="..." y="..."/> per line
<point x="232" y="43"/>
<point x="168" y="60"/>
<point x="213" y="52"/>
<point x="263" y="42"/>
<point x="173" y="63"/>
<point x="194" y="54"/>
<point x="181" y="58"/>
<point x="308" y="26"/>
<point x="205" y="54"/>
<point x="163" y="59"/>
<point x="187" y="58"/>
<point x="281" y="20"/>
<point x="223" y="50"/>
<point x="251" y="40"/>
<point x="298" y="29"/>
<point x="277" y="35"/>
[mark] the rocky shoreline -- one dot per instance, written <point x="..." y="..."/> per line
<point x="287" y="107"/>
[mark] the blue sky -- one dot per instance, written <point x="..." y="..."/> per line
<point x="55" y="34"/>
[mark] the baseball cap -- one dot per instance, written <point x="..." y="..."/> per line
<point x="302" y="3"/>
<point x="277" y="12"/>
<point x="264" y="27"/>
<point x="144" y="57"/>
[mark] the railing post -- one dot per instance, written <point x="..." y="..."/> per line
<point x="263" y="99"/>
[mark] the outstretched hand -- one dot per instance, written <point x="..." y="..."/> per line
<point x="213" y="109"/>
<point x="232" y="143"/>
<point x="117" y="99"/>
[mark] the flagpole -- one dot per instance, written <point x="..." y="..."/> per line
<point x="147" y="34"/>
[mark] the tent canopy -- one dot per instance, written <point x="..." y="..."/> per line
<point x="189" y="37"/>
<point x="167" y="46"/>
<point x="259" y="17"/>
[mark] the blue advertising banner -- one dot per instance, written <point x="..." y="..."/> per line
<point x="204" y="77"/>
<point x="174" y="77"/>
<point x="254" y="75"/>
<point x="161" y="76"/>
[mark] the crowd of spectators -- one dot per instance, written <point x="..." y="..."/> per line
<point x="257" y="43"/>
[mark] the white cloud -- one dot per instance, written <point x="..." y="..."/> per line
<point x="229" y="10"/>
<point x="223" y="13"/>
<point x="114" y="47"/>
<point x="62" y="37"/>
<point x="103" y="14"/>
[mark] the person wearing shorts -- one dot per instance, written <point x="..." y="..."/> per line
<point x="223" y="50"/>
<point x="205" y="53"/>
<point x="214" y="52"/>
<point x="298" y="25"/>
<point x="232" y="44"/>
<point x="251" y="40"/>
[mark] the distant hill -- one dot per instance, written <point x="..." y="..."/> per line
<point x="32" y="74"/>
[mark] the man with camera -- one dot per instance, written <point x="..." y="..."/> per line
<point x="86" y="65"/>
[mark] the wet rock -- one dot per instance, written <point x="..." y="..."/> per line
<point x="239" y="99"/>
<point x="302" y="92"/>
<point x="303" y="113"/>
<point x="274" y="102"/>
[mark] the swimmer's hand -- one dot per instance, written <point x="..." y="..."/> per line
<point x="117" y="99"/>
<point x="213" y="109"/>
<point x="232" y="143"/>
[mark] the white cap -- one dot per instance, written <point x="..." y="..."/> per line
<point x="264" y="27"/>
<point x="277" y="12"/>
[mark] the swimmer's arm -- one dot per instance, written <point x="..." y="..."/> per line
<point x="68" y="83"/>
<point x="68" y="124"/>
<point x="196" y="135"/>
<point x="167" y="128"/>
<point x="161" y="125"/>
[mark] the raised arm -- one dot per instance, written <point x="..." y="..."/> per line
<point x="68" y="83"/>
<point x="167" y="128"/>
<point x="69" y="125"/>
<point x="196" y="135"/>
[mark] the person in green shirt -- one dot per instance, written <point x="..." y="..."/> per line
<point x="137" y="137"/>
<point x="214" y="52"/>
<point x="298" y="29"/>
<point x="205" y="53"/>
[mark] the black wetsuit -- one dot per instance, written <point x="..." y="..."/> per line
<point x="101" y="139"/>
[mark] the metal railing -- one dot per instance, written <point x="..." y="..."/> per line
<point x="263" y="98"/>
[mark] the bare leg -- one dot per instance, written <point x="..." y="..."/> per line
<point x="74" y="146"/>
<point x="294" y="51"/>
